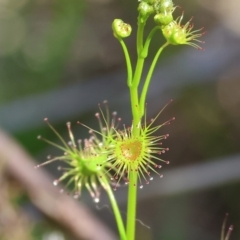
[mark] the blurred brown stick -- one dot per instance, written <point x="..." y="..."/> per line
<point x="60" y="207"/>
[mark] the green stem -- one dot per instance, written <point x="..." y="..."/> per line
<point x="148" y="79"/>
<point x="144" y="51"/>
<point x="134" y="95"/>
<point x="140" y="31"/>
<point x="116" y="210"/>
<point x="135" y="110"/>
<point x="132" y="205"/>
<point x="138" y="72"/>
<point x="132" y="188"/>
<point x="128" y="62"/>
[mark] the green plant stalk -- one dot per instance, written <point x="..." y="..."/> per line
<point x="128" y="62"/>
<point x="117" y="214"/>
<point x="132" y="205"/>
<point x="148" y="79"/>
<point x="144" y="52"/>
<point x="138" y="109"/>
<point x="132" y="189"/>
<point x="140" y="31"/>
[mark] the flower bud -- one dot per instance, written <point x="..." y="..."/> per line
<point x="166" y="6"/>
<point x="163" y="18"/>
<point x="121" y="29"/>
<point x="145" y="10"/>
<point x="176" y="33"/>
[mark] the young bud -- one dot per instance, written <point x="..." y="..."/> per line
<point x="163" y="18"/>
<point x="121" y="29"/>
<point x="177" y="34"/>
<point x="166" y="6"/>
<point x="145" y="10"/>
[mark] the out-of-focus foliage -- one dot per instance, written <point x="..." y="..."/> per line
<point x="36" y="38"/>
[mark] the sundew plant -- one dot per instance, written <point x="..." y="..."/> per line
<point x="114" y="153"/>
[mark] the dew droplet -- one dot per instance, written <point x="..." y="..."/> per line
<point x="76" y="196"/>
<point x="141" y="186"/>
<point x="55" y="182"/>
<point x="161" y="176"/>
<point x="96" y="200"/>
<point x="151" y="178"/>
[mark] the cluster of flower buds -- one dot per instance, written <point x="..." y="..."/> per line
<point x="162" y="9"/>
<point x="177" y="34"/>
<point x="172" y="30"/>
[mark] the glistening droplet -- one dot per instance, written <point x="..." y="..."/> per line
<point x="55" y="182"/>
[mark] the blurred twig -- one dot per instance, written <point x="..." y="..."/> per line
<point x="11" y="215"/>
<point x="62" y="208"/>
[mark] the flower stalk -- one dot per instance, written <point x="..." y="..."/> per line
<point x="132" y="153"/>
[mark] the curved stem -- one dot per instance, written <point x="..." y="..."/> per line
<point x="138" y="72"/>
<point x="117" y="214"/>
<point x="144" y="51"/>
<point x="128" y="61"/>
<point x="148" y="79"/>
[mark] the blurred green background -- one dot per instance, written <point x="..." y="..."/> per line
<point x="58" y="59"/>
